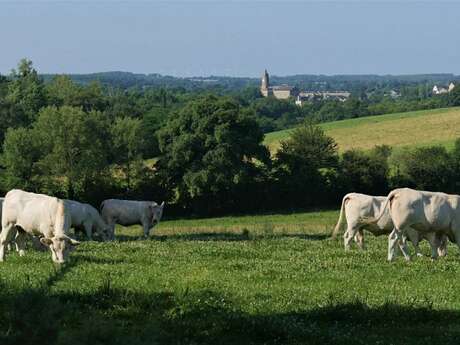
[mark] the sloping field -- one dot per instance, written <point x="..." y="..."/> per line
<point x="418" y="128"/>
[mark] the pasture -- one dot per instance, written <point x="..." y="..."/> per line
<point x="272" y="279"/>
<point x="416" y="128"/>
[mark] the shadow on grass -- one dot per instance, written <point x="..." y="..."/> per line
<point x="232" y="237"/>
<point x="110" y="316"/>
<point x="223" y="236"/>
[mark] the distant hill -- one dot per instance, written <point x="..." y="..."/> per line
<point x="417" y="128"/>
<point x="308" y="82"/>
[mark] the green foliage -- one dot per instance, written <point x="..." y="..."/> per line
<point x="21" y="152"/>
<point x="210" y="149"/>
<point x="63" y="91"/>
<point x="73" y="149"/>
<point x="198" y="143"/>
<point x="127" y="146"/>
<point x="366" y="172"/>
<point x="427" y="168"/>
<point x="26" y="92"/>
<point x="302" y="164"/>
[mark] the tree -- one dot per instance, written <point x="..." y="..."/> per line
<point x="303" y="163"/>
<point x="63" y="91"/>
<point x="21" y="153"/>
<point x="209" y="152"/>
<point x="74" y="146"/>
<point x="365" y="172"/>
<point x="427" y="168"/>
<point x="26" y="92"/>
<point x="128" y="142"/>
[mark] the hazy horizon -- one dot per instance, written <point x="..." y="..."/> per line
<point x="236" y="39"/>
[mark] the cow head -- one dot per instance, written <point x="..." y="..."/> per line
<point x="60" y="247"/>
<point x="156" y="211"/>
<point x="106" y="233"/>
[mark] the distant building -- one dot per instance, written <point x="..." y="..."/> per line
<point x="278" y="91"/>
<point x="287" y="91"/>
<point x="438" y="90"/>
<point x="304" y="96"/>
<point x="394" y="94"/>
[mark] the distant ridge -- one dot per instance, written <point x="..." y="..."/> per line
<point x="122" y="79"/>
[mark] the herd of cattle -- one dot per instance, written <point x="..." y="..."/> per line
<point x="48" y="220"/>
<point x="404" y="213"/>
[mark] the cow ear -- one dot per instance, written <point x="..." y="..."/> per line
<point x="74" y="242"/>
<point x="46" y="241"/>
<point x="162" y="204"/>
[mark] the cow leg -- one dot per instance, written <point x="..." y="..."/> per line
<point x="348" y="236"/>
<point x="434" y="244"/>
<point x="146" y="228"/>
<point x="443" y="242"/>
<point x="20" y="240"/>
<point x="415" y="239"/>
<point x="6" y="236"/>
<point x="395" y="239"/>
<point x="359" y="239"/>
<point x="402" y="243"/>
<point x="89" y="230"/>
<point x="111" y="225"/>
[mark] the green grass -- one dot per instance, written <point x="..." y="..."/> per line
<point x="272" y="279"/>
<point x="417" y="128"/>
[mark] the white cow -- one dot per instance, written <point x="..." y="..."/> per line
<point x="357" y="207"/>
<point x="39" y="215"/>
<point x="86" y="217"/>
<point x="434" y="215"/>
<point x="130" y="212"/>
<point x="35" y="241"/>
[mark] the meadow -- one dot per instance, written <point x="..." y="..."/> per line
<point x="417" y="128"/>
<point x="268" y="279"/>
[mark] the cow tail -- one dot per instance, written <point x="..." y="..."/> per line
<point x="339" y="222"/>
<point x="101" y="206"/>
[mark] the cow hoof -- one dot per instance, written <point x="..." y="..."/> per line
<point x="420" y="255"/>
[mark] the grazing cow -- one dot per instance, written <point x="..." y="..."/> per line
<point x="86" y="217"/>
<point x="39" y="215"/>
<point x="357" y="207"/>
<point x="129" y="212"/>
<point x="432" y="214"/>
<point x="35" y="240"/>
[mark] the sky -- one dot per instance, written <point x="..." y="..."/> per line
<point x="232" y="38"/>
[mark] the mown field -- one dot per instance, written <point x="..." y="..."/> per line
<point x="417" y="128"/>
<point x="274" y="279"/>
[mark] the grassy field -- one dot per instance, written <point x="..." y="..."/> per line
<point x="274" y="279"/>
<point x="418" y="128"/>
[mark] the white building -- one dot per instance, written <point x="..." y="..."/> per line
<point x="438" y="90"/>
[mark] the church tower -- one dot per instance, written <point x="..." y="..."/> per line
<point x="265" y="84"/>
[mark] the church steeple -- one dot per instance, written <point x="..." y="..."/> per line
<point x="265" y="82"/>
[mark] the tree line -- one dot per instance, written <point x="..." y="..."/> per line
<point x="200" y="152"/>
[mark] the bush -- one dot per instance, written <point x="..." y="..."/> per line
<point x="365" y="172"/>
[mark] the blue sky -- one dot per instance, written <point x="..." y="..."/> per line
<point x="235" y="38"/>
